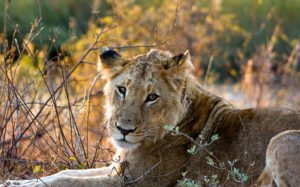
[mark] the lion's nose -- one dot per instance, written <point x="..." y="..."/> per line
<point x="125" y="131"/>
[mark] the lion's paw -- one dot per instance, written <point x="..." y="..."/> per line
<point x="24" y="183"/>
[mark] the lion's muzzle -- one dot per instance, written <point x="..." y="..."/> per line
<point x="125" y="131"/>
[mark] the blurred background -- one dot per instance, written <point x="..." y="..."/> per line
<point x="51" y="114"/>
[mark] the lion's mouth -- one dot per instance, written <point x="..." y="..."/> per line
<point x="124" y="140"/>
<point x="123" y="143"/>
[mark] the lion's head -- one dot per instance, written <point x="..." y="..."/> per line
<point x="143" y="94"/>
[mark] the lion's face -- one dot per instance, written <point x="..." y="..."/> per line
<point x="143" y="95"/>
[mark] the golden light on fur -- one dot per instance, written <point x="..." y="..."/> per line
<point x="108" y="110"/>
<point x="136" y="116"/>
<point x="144" y="95"/>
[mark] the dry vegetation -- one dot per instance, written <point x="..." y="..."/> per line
<point x="51" y="106"/>
<point x="45" y="127"/>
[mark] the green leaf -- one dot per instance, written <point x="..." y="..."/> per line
<point x="38" y="169"/>
<point x="209" y="161"/>
<point x="192" y="150"/>
<point x="72" y="158"/>
<point x="184" y="173"/>
<point x="214" y="137"/>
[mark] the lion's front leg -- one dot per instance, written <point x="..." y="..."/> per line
<point x="67" y="181"/>
<point x="84" y="173"/>
<point x="63" y="177"/>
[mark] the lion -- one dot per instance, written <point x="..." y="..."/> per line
<point x="282" y="161"/>
<point x="146" y="93"/>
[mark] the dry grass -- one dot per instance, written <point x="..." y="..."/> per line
<point x="51" y="110"/>
<point x="45" y="127"/>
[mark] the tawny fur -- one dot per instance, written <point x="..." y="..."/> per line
<point x="153" y="156"/>
<point x="282" y="161"/>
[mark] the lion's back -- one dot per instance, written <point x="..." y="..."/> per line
<point x="246" y="142"/>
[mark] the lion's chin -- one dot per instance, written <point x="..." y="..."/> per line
<point x="125" y="144"/>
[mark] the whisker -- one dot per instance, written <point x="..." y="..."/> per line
<point x="151" y="132"/>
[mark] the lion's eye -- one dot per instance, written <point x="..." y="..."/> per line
<point x="121" y="90"/>
<point x="152" y="97"/>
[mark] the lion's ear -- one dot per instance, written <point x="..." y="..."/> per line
<point x="109" y="62"/>
<point x="180" y="62"/>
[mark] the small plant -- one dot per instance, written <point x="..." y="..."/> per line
<point x="186" y="182"/>
<point x="236" y="173"/>
<point x="232" y="172"/>
<point x="211" y="180"/>
<point x="197" y="145"/>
